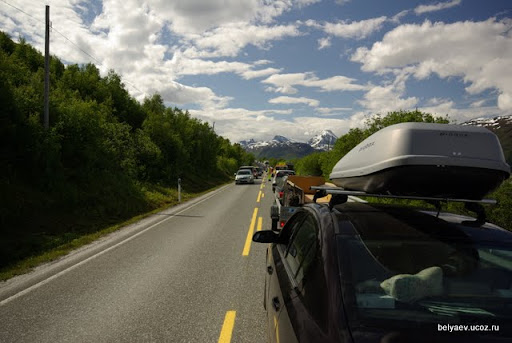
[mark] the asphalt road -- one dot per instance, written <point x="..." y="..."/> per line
<point x="188" y="274"/>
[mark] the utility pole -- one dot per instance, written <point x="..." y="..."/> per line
<point x="47" y="70"/>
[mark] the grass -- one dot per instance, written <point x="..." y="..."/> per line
<point x="76" y="232"/>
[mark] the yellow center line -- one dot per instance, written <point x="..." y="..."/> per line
<point x="259" y="197"/>
<point x="260" y="223"/>
<point x="227" y="327"/>
<point x="276" y="326"/>
<point x="248" y="240"/>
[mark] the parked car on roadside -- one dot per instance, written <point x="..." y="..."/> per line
<point x="244" y="176"/>
<point x="362" y="272"/>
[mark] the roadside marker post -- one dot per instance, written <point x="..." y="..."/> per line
<point x="179" y="189"/>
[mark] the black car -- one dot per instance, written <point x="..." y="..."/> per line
<point x="361" y="272"/>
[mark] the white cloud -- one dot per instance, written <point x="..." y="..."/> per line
<point x="440" y="107"/>
<point x="356" y="29"/>
<point x="251" y="74"/>
<point x="477" y="104"/>
<point x="240" y="124"/>
<point x="474" y="51"/>
<point x="179" y="94"/>
<point x="460" y="115"/>
<point x="262" y="62"/>
<point x="384" y="99"/>
<point x="324" y="43"/>
<point x="330" y="111"/>
<point x="192" y="17"/>
<point x="283" y="90"/>
<point x="505" y="102"/>
<point x="436" y="7"/>
<point x="187" y="17"/>
<point x="230" y="39"/>
<point x="181" y="65"/>
<point x="292" y="100"/>
<point x="284" y="83"/>
<point x="304" y="3"/>
<point x="25" y="20"/>
<point x="336" y="83"/>
<point x="312" y="23"/>
<point x="438" y="101"/>
<point x="397" y="17"/>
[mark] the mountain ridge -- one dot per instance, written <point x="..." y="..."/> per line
<point x="283" y="147"/>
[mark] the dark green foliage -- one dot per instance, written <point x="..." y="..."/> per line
<point x="6" y="43"/>
<point x="309" y="165"/>
<point x="501" y="214"/>
<point x="102" y="153"/>
<point x="378" y="122"/>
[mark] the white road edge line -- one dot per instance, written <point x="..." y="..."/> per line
<point x="62" y="272"/>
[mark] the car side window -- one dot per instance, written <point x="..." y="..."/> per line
<point x="310" y="279"/>
<point x="291" y="227"/>
<point x="303" y="241"/>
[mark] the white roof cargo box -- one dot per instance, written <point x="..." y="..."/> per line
<point x="424" y="159"/>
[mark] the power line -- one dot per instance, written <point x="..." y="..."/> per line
<point x="19" y="9"/>
<point x="70" y="41"/>
<point x="78" y="47"/>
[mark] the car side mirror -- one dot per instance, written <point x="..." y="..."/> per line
<point x="265" y="236"/>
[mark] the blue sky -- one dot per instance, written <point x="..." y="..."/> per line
<point x="259" y="68"/>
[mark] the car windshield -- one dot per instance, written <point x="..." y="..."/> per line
<point x="406" y="273"/>
<point x="244" y="172"/>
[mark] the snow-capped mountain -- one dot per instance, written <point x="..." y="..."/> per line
<point x="280" y="139"/>
<point x="323" y="141"/>
<point x="492" y="124"/>
<point x="283" y="147"/>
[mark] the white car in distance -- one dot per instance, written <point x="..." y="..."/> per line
<point x="244" y="176"/>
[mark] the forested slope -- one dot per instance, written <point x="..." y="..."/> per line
<point x="105" y="158"/>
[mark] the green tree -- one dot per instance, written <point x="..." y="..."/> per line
<point x="377" y="122"/>
<point x="309" y="165"/>
<point x="124" y="107"/>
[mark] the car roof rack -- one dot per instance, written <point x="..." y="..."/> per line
<point x="340" y="196"/>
